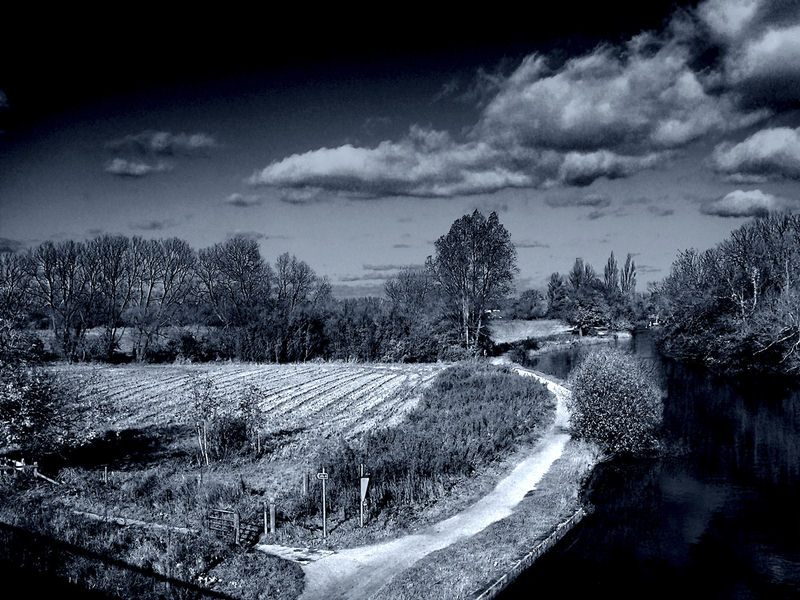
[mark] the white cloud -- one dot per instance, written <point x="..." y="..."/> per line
<point x="750" y="203"/>
<point x="424" y="163"/>
<point x="767" y="153"/>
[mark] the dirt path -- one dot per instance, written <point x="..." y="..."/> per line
<point x="357" y="573"/>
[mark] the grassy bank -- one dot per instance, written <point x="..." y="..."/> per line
<point x="470" y="566"/>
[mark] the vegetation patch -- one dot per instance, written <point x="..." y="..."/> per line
<point x="615" y="402"/>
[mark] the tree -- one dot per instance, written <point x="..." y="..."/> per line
<point x="556" y="296"/>
<point x="627" y="281"/>
<point x="611" y="275"/>
<point x="615" y="402"/>
<point x="65" y="286"/>
<point x="474" y="265"/>
<point x="15" y="283"/>
<point x="165" y="281"/>
<point x="234" y="280"/>
<point x="294" y="281"/>
<point x="117" y="272"/>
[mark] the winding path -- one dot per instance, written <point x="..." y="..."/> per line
<point x="357" y="573"/>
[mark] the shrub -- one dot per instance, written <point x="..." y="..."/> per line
<point x="615" y="402"/>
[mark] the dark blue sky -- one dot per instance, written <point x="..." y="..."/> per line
<point x="354" y="140"/>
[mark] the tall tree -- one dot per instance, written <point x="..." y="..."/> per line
<point x="15" y="283"/>
<point x="611" y="275"/>
<point x="627" y="281"/>
<point x="111" y="257"/>
<point x="295" y="281"/>
<point x="166" y="280"/>
<point x="65" y="286"/>
<point x="556" y="295"/>
<point x="474" y="265"/>
<point x="234" y="280"/>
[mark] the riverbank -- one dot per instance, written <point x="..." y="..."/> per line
<point x="470" y="567"/>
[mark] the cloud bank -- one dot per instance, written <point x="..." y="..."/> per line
<point x="609" y="113"/>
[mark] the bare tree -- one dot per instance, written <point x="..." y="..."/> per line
<point x="117" y="273"/>
<point x="410" y="289"/>
<point x="474" y="265"/>
<point x="166" y="270"/>
<point x="65" y="285"/>
<point x="294" y="281"/>
<point x="15" y="283"/>
<point x="234" y="279"/>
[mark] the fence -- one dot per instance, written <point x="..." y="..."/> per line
<point x="228" y="524"/>
<point x="10" y="468"/>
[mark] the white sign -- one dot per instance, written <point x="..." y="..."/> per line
<point x="322" y="475"/>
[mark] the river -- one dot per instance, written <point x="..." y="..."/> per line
<point x="717" y="516"/>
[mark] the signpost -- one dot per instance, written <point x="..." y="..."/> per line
<point x="324" y="477"/>
<point x="364" y="486"/>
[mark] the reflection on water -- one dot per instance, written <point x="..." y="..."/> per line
<point x="718" y="516"/>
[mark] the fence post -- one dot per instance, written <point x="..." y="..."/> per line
<point x="236" y="526"/>
<point x="105" y="475"/>
<point x="266" y="531"/>
<point x="272" y="515"/>
<point x="305" y="483"/>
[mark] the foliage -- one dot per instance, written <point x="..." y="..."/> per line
<point x="470" y="416"/>
<point x="734" y="307"/>
<point x="474" y="265"/>
<point x="587" y="301"/>
<point x="614" y="402"/>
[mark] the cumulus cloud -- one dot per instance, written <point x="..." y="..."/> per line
<point x="611" y="112"/>
<point x="163" y="143"/>
<point x="773" y="152"/>
<point x="424" y="163"/>
<point x="750" y="203"/>
<point x="609" y="99"/>
<point x="134" y="168"/>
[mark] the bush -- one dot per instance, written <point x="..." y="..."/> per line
<point x="615" y="402"/>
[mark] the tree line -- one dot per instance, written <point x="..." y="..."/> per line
<point x="586" y="300"/>
<point x="735" y="306"/>
<point x="248" y="308"/>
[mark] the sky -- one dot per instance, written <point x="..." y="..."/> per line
<point x="354" y="140"/>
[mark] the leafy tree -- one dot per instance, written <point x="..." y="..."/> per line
<point x="556" y="296"/>
<point x="474" y="265"/>
<point x="627" y="281"/>
<point x="615" y="402"/>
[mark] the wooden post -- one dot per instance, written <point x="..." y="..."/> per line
<point x="236" y="526"/>
<point x="361" y="503"/>
<point x="272" y="515"/>
<point x="105" y="475"/>
<point x="324" y="509"/>
<point x="305" y="483"/>
<point x="266" y="531"/>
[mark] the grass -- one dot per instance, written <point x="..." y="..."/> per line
<point x="467" y="567"/>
